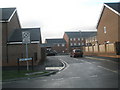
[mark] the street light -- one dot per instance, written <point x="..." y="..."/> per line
<point x="80" y="37"/>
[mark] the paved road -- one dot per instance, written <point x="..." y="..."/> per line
<point x="86" y="72"/>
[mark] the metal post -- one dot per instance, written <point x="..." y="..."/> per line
<point x="80" y="39"/>
<point x="32" y="63"/>
<point x="27" y="57"/>
<point x="18" y="65"/>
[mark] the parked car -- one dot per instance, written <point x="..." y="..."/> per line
<point x="51" y="53"/>
<point x="76" y="53"/>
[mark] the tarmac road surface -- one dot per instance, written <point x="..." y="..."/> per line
<point x="86" y="72"/>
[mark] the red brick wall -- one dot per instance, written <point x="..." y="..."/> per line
<point x="110" y="20"/>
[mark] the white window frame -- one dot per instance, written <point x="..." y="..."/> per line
<point x="58" y="45"/>
<point x="74" y="39"/>
<point x="71" y="44"/>
<point x="82" y="39"/>
<point x="63" y="45"/>
<point x="70" y="39"/>
<point x="83" y="43"/>
<point x="105" y="31"/>
<point x="75" y="44"/>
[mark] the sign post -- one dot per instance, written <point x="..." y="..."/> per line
<point x="26" y="40"/>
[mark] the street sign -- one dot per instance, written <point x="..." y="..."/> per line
<point x="26" y="37"/>
<point x="26" y="40"/>
<point x="25" y="59"/>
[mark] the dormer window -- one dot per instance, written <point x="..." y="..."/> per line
<point x="105" y="30"/>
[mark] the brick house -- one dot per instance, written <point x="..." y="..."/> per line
<point x="16" y="49"/>
<point x="9" y="21"/>
<point x="108" y="26"/>
<point x="59" y="45"/>
<point x="11" y="47"/>
<point x="76" y="39"/>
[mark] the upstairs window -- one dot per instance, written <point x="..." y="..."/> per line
<point x="82" y="39"/>
<point x="70" y="39"/>
<point x="105" y="30"/>
<point x="78" y="39"/>
<point x="79" y="44"/>
<point x="63" y="45"/>
<point x="74" y="39"/>
<point x="71" y="44"/>
<point x="58" y="45"/>
<point x="74" y="44"/>
<point x="82" y="43"/>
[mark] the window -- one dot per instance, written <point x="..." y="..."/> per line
<point x="74" y="39"/>
<point x="70" y="39"/>
<point x="81" y="38"/>
<point x="74" y="44"/>
<point x="82" y="43"/>
<point x="63" y="45"/>
<point x="78" y="39"/>
<point x="58" y="45"/>
<point x="105" y="30"/>
<point x="79" y="44"/>
<point x="71" y="44"/>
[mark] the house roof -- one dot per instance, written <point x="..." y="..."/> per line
<point x="80" y="34"/>
<point x="55" y="41"/>
<point x="115" y="7"/>
<point x="46" y="45"/>
<point x="16" y="36"/>
<point x="6" y="14"/>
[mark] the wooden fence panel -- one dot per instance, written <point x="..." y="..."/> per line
<point x="95" y="48"/>
<point x="102" y="48"/>
<point x="110" y="48"/>
<point x="99" y="49"/>
<point x="86" y="49"/>
<point x="90" y="49"/>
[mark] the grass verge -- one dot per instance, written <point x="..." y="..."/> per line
<point x="13" y="74"/>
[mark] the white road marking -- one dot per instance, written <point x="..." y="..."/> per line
<point x="58" y="72"/>
<point x="58" y="79"/>
<point x="75" y="77"/>
<point x="77" y="59"/>
<point x="94" y="76"/>
<point x="65" y="64"/>
<point x="43" y="80"/>
<point x="108" y="69"/>
<point x="89" y="62"/>
<point x="82" y="60"/>
<point x="53" y="68"/>
<point x="93" y="62"/>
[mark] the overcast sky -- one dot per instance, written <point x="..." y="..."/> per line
<point x="54" y="17"/>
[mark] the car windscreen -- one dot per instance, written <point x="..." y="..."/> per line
<point x="78" y="50"/>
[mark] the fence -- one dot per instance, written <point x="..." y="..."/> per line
<point x="102" y="49"/>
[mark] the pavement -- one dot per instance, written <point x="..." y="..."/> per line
<point x="112" y="56"/>
<point x="115" y="58"/>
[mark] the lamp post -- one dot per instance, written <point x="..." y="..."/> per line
<point x="80" y="38"/>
